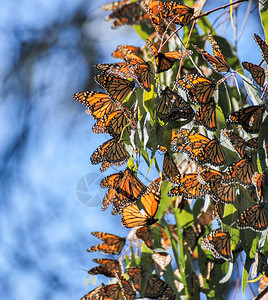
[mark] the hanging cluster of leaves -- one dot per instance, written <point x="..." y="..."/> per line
<point x="164" y="100"/>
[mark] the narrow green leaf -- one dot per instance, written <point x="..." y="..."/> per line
<point x="264" y="16"/>
<point x="251" y="90"/>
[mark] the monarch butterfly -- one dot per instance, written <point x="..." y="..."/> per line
<point x="218" y="209"/>
<point x="112" y="291"/>
<point x="118" y="54"/>
<point x="132" y="217"/>
<point x="202" y="149"/>
<point x="169" y="167"/>
<point x="250" y="118"/>
<point x="144" y="233"/>
<point x="206" y="116"/>
<point x="118" y="69"/>
<point x="112" y="152"/>
<point x="188" y="185"/>
<point x="165" y="61"/>
<point x="135" y="275"/>
<point x="219" y="243"/>
<point x="156" y="18"/>
<point x="111" y="264"/>
<point x="114" y="124"/>
<point x="212" y="153"/>
<point x="258" y="181"/>
<point x="94" y="294"/>
<point x="130" y="186"/>
<point x="112" y="181"/>
<point x="128" y="292"/>
<point x="181" y="13"/>
<point x="253" y="218"/>
<point x="101" y="270"/>
<point x="155" y="288"/>
<point x="263" y="46"/>
<point x="199" y="89"/>
<point x="117" y="88"/>
<point x="127" y="13"/>
<point x="108" y="198"/>
<point x="191" y="235"/>
<point x="161" y="260"/>
<point x="125" y="187"/>
<point x="218" y="61"/>
<point x="172" y="107"/>
<point x="223" y="192"/>
<point x="128" y="190"/>
<point x="240" y="172"/>
<point x="99" y="104"/>
<point x="257" y="72"/>
<point x="238" y="143"/>
<point x="209" y="177"/>
<point x="113" y="244"/>
<point x="138" y="68"/>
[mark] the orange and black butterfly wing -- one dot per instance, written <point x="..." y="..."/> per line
<point x="118" y="88"/>
<point x="253" y="218"/>
<point x="99" y="104"/>
<point x="155" y="287"/>
<point x="206" y="116"/>
<point x="97" y="293"/>
<point x="127" y="289"/>
<point x="119" y="69"/>
<point x="142" y="74"/>
<point x="108" y="199"/>
<point x="183" y="84"/>
<point x="130" y="186"/>
<point x="223" y="64"/>
<point x="156" y="19"/>
<point x="238" y="143"/>
<point x="221" y="242"/>
<point x="127" y="14"/>
<point x="151" y="197"/>
<point x="212" y="153"/>
<point x="202" y="87"/>
<point x="135" y="275"/>
<point x="224" y="193"/>
<point x="118" y="53"/>
<point x="243" y="171"/>
<point x="209" y="58"/>
<point x="120" y="202"/>
<point x="112" y="291"/>
<point x="263" y="46"/>
<point x="181" y="13"/>
<point x="165" y="61"/>
<point x="101" y="270"/>
<point x="144" y="233"/>
<point x="116" y="122"/>
<point x="112" y="181"/>
<point x="249" y="118"/>
<point x="132" y="217"/>
<point x="104" y="248"/>
<point x="111" y="264"/>
<point x="112" y="152"/>
<point x="169" y="169"/>
<point x="111" y="240"/>
<point x="257" y="72"/>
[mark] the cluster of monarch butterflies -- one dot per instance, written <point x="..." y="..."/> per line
<point x="137" y="203"/>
